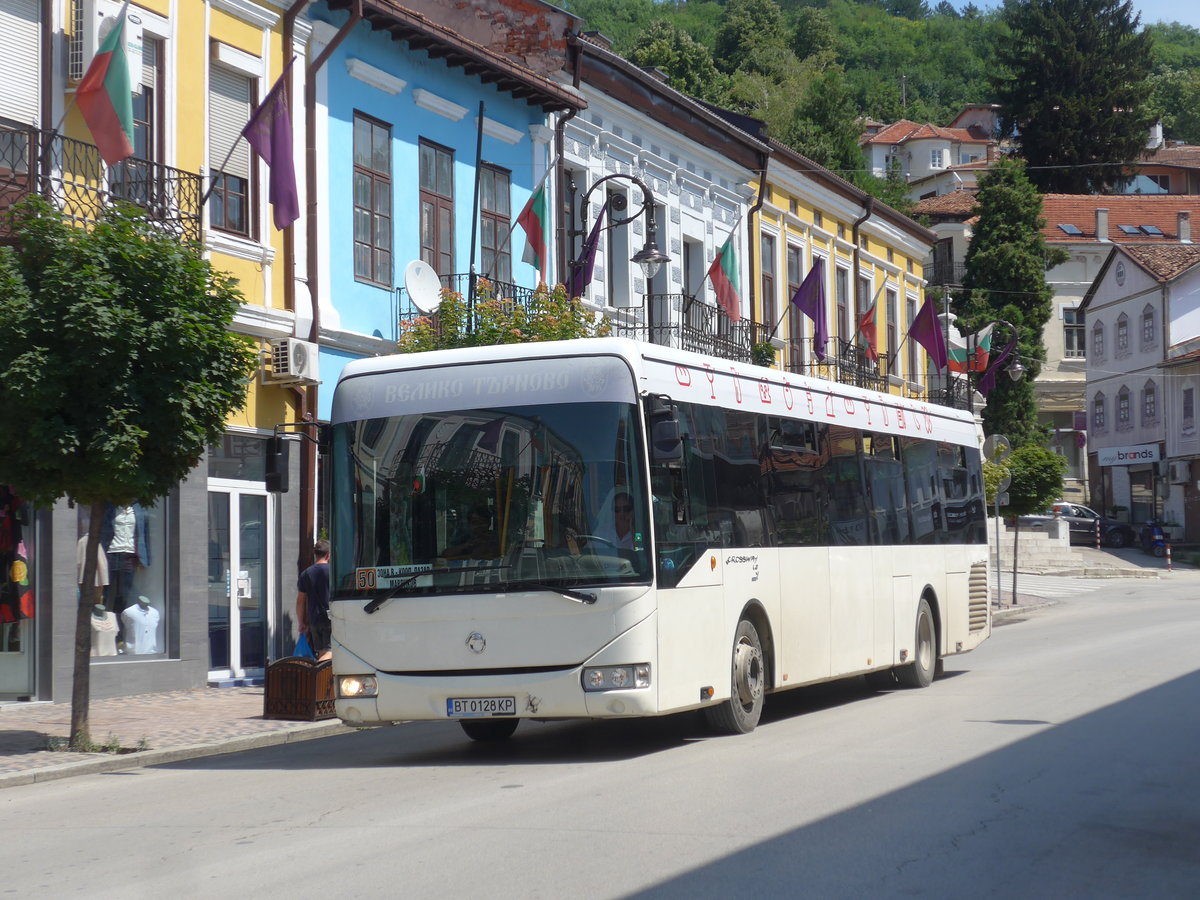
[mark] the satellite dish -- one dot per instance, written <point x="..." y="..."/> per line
<point x="424" y="286"/>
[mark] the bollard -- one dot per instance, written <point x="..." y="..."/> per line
<point x="1168" y="557"/>
<point x="1097" y="534"/>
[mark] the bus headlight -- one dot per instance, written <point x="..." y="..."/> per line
<point x="616" y="678"/>
<point x="350" y="686"/>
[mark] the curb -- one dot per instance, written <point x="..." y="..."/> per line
<point x="146" y="758"/>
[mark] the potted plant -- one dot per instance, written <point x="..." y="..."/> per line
<point x="763" y="354"/>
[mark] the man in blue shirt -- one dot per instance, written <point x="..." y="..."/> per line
<point x="312" y="602"/>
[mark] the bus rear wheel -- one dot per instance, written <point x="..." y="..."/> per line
<point x="919" y="673"/>
<point x="741" y="712"/>
<point x="489" y="729"/>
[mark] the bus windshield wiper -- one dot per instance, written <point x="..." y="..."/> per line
<point x="578" y="596"/>
<point x="397" y="588"/>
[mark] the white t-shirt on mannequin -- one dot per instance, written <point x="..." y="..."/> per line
<point x="104" y="634"/>
<point x="141" y="629"/>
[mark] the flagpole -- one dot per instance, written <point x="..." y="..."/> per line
<point x="728" y="238"/>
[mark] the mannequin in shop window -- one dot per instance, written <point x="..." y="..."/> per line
<point x="104" y="631"/>
<point x="141" y="627"/>
<point x="127" y="547"/>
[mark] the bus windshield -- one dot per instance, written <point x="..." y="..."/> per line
<point x="479" y="499"/>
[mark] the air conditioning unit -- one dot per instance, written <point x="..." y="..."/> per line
<point x="93" y="19"/>
<point x="294" y="362"/>
<point x="1181" y="471"/>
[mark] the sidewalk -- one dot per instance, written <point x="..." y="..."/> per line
<point x="169" y="726"/>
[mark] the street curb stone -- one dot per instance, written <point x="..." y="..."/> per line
<point x="144" y="758"/>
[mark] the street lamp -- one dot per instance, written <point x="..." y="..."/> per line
<point x="1015" y="370"/>
<point x="650" y="259"/>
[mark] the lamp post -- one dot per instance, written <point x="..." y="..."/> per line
<point x="650" y="258"/>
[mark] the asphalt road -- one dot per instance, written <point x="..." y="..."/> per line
<point x="1062" y="759"/>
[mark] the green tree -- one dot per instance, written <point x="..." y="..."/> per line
<point x="549" y="316"/>
<point x="116" y="357"/>
<point x="687" y="63"/>
<point x="751" y="37"/>
<point x="812" y="33"/>
<point x="1176" y="101"/>
<point x="1037" y="474"/>
<point x="1006" y="279"/>
<point x="1072" y="81"/>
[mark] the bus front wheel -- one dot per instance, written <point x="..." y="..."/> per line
<point x="919" y="673"/>
<point x="489" y="729"/>
<point x="741" y="712"/>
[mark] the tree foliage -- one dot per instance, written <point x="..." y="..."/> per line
<point x="550" y="316"/>
<point x="1072" y="81"/>
<point x="1006" y="279"/>
<point x="687" y="63"/>
<point x="117" y="359"/>
<point x="1037" y="479"/>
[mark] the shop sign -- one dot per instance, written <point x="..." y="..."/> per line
<point x="1128" y="456"/>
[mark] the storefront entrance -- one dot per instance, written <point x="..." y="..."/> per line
<point x="240" y="600"/>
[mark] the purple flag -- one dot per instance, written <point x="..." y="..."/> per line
<point x="926" y="330"/>
<point x="810" y="300"/>
<point x="988" y="381"/>
<point x="581" y="276"/>
<point x="269" y="132"/>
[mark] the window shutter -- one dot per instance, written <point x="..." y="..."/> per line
<point x="228" y="113"/>
<point x="20" y="63"/>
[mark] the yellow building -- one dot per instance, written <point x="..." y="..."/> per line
<point x="872" y="255"/>
<point x="197" y="69"/>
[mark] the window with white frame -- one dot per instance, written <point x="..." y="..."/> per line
<point x="937" y="159"/>
<point x="767" y="270"/>
<point x="230" y="99"/>
<point x="1148" y="340"/>
<point x="1098" y="341"/>
<point x="1150" y="403"/>
<point x="1098" y="411"/>
<point x="1122" y="334"/>
<point x="1073" y="334"/>
<point x="1124" y="419"/>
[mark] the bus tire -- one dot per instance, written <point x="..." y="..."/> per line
<point x="741" y="712"/>
<point x="489" y="729"/>
<point x="919" y="673"/>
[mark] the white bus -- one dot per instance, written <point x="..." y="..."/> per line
<point x="607" y="528"/>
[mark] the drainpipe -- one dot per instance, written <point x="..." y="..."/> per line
<point x="308" y="405"/>
<point x="868" y="208"/>
<point x="561" y="226"/>
<point x="762" y="196"/>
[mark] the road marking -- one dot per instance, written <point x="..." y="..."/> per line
<point x="1047" y="586"/>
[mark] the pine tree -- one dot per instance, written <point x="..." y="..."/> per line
<point x="1006" y="279"/>
<point x="1072" y="83"/>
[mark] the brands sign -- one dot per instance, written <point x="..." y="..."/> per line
<point x="1128" y="456"/>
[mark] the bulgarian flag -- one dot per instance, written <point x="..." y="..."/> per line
<point x="970" y="353"/>
<point x="105" y="98"/>
<point x="533" y="220"/>
<point x="724" y="275"/>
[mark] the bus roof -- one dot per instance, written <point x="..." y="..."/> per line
<point x="696" y="378"/>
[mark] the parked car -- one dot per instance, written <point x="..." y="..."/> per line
<point x="1081" y="525"/>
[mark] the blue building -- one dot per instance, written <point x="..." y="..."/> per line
<point x="404" y="148"/>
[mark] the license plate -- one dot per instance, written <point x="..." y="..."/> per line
<point x="472" y="707"/>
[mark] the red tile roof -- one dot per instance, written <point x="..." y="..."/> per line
<point x="1164" y="261"/>
<point x="1161" y="210"/>
<point x="1187" y="156"/>
<point x="956" y="203"/>
<point x="907" y="130"/>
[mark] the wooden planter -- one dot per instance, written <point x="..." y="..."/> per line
<point x="299" y="689"/>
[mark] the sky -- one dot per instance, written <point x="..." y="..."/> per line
<point x="1186" y="12"/>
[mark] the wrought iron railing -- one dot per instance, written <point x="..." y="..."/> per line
<point x="685" y="323"/>
<point x="72" y="176"/>
<point x="958" y="394"/>
<point x="844" y="362"/>
<point x="944" y="272"/>
<point x="471" y="287"/>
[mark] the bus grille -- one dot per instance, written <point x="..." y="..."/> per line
<point x="977" y="590"/>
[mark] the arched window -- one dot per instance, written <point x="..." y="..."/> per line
<point x="1124" y="421"/>
<point x="1150" y="403"/>
<point x="1098" y="411"/>
<point x="1098" y="340"/>
<point x="1122" y="333"/>
<point x="1148" y="333"/>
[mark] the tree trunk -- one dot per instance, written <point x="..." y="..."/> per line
<point x="1016" y="536"/>
<point x="89" y="595"/>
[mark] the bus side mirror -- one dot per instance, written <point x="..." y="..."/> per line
<point x="665" y="443"/>
<point x="277" y="465"/>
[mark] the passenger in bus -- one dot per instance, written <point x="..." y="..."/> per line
<point x="480" y="542"/>
<point x="620" y="533"/>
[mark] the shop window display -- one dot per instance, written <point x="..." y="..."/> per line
<point x="129" y="621"/>
<point x="16" y="594"/>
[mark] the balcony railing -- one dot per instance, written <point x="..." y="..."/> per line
<point x="944" y="272"/>
<point x="845" y="363"/>
<point x="683" y="322"/>
<point x="72" y="176"/>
